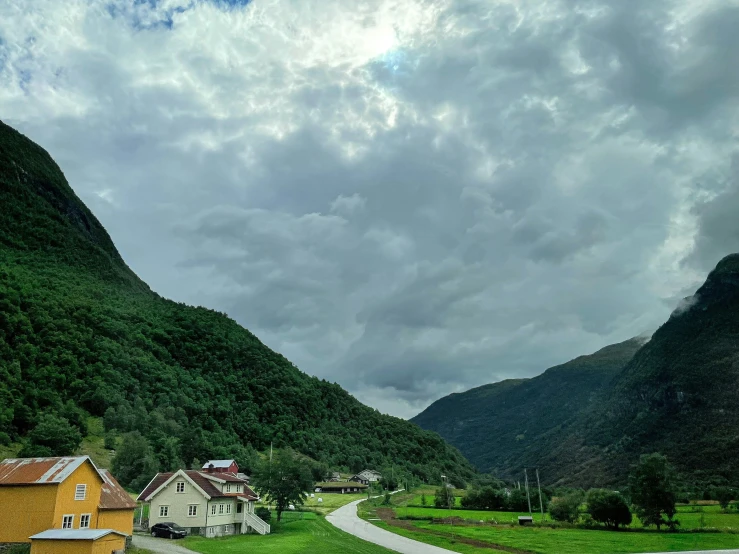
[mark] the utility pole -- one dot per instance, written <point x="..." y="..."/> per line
<point x="526" y="477"/>
<point x="541" y="503"/>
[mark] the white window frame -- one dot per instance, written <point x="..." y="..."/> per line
<point x="228" y="487"/>
<point x="238" y="488"/>
<point x="228" y="508"/>
<point x="192" y="512"/>
<point x="220" y="509"/>
<point x="82" y="520"/>
<point x="213" y="509"/>
<point x="180" y="485"/>
<point x="164" y="509"/>
<point x="70" y="518"/>
<point x="80" y="492"/>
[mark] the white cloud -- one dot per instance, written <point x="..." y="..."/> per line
<point x="509" y="184"/>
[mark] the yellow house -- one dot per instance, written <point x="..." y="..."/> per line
<point x="78" y="541"/>
<point x="40" y="494"/>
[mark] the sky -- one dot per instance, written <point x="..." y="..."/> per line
<point x="407" y="197"/>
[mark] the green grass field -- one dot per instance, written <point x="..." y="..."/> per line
<point x="546" y="540"/>
<point x="330" y="501"/>
<point x="689" y="517"/>
<point x="572" y="541"/>
<point x="311" y="533"/>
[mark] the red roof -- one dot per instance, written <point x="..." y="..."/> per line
<point x="112" y="495"/>
<point x="201" y="480"/>
<point x="39" y="471"/>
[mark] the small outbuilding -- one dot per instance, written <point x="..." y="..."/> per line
<point x="78" y="541"/>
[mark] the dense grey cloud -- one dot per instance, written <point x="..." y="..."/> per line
<point x="404" y="196"/>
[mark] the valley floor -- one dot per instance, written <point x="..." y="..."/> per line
<point x="497" y="531"/>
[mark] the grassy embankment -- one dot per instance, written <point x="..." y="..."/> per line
<point x="474" y="537"/>
<point x="299" y="532"/>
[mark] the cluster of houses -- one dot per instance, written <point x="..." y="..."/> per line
<point x="66" y="505"/>
<point x="358" y="482"/>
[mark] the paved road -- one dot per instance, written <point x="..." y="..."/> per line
<point x="160" y="546"/>
<point x="346" y="519"/>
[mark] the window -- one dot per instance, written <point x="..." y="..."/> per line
<point x="228" y="508"/>
<point x="180" y="486"/>
<point x="85" y="521"/>
<point x="228" y="487"/>
<point x="213" y="510"/>
<point x="192" y="510"/>
<point x="80" y="492"/>
<point x="67" y="522"/>
<point x="163" y="511"/>
<point x="239" y="507"/>
<point x="220" y="509"/>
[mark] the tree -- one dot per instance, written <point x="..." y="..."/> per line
<point x="652" y="486"/>
<point x="608" y="507"/>
<point x="52" y="436"/>
<point x="424" y="502"/>
<point x="517" y="501"/>
<point x="284" y="480"/>
<point x="724" y="495"/>
<point x="444" y="498"/>
<point x="389" y="482"/>
<point x="566" y="508"/>
<point x="135" y="464"/>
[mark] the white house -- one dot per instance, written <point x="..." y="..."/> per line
<point x="366" y="476"/>
<point x="212" y="504"/>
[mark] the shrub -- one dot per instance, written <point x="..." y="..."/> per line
<point x="566" y="508"/>
<point x="608" y="507"/>
<point x="263" y="513"/>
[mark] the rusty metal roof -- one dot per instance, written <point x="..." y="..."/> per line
<point x="39" y="471"/>
<point x="112" y="495"/>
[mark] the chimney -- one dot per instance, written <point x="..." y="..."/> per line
<point x="211" y="467"/>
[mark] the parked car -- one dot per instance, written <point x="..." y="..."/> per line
<point x="168" y="531"/>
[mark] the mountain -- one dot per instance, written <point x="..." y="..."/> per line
<point x="81" y="335"/>
<point x="502" y="425"/>
<point x="586" y="422"/>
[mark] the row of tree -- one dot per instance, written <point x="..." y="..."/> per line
<point x="651" y="495"/>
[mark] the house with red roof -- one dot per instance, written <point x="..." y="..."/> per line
<point x="209" y="503"/>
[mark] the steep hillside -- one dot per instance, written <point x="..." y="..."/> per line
<point x="586" y="422"/>
<point x="502" y="426"/>
<point x="679" y="394"/>
<point x="79" y="330"/>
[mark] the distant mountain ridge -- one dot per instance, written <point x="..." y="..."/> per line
<point x="498" y="426"/>
<point x="81" y="334"/>
<point x="585" y="422"/>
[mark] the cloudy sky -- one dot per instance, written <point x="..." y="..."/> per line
<point x="407" y="197"/>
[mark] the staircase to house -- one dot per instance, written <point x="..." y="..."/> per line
<point x="257" y="524"/>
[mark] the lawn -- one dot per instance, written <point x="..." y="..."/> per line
<point x="688" y="516"/>
<point x="556" y="541"/>
<point x="330" y="501"/>
<point x="311" y="533"/>
<point x="545" y="540"/>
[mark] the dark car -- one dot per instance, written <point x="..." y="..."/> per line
<point x="168" y="531"/>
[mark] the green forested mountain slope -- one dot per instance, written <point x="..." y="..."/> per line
<point x="680" y="393"/>
<point x="78" y="330"/>
<point x="585" y="425"/>
<point x="499" y="427"/>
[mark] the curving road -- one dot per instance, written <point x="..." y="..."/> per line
<point x="346" y="519"/>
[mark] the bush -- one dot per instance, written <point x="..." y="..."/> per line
<point x="566" y="508"/>
<point x="608" y="507"/>
<point x="263" y="513"/>
<point x="110" y="441"/>
<point x="486" y="498"/>
<point x="724" y="495"/>
<point x="444" y="498"/>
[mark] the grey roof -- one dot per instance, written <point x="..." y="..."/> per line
<point x="218" y="463"/>
<point x="75" y="534"/>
